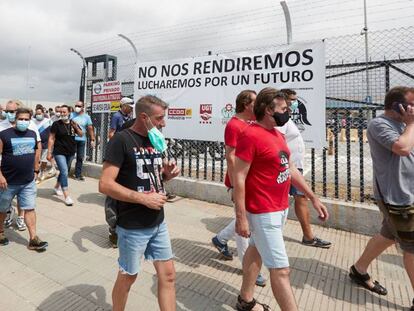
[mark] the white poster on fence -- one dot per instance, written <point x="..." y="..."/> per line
<point x="201" y="91"/>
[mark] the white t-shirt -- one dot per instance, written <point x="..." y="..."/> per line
<point x="295" y="143"/>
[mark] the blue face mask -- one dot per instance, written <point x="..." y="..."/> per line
<point x="11" y="116"/>
<point x="294" y="105"/>
<point x="39" y="117"/>
<point x="157" y="139"/>
<point x="22" y="125"/>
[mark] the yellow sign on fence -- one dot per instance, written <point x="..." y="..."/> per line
<point x="115" y="106"/>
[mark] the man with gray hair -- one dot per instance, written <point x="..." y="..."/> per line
<point x="133" y="174"/>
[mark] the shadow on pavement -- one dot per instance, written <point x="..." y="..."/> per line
<point x="15" y="237"/>
<point x="96" y="234"/>
<point x="194" y="254"/>
<point x="77" y="297"/>
<point x="92" y="198"/>
<point x="319" y="279"/>
<point x="199" y="292"/>
<point x="215" y="225"/>
<point x="47" y="193"/>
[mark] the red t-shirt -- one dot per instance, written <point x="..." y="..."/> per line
<point x="231" y="134"/>
<point x="268" y="181"/>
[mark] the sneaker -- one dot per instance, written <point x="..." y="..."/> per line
<point x="222" y="248"/>
<point x="80" y="178"/>
<point x="3" y="240"/>
<point x="52" y="172"/>
<point x="9" y="218"/>
<point x="21" y="226"/>
<point x="37" y="244"/>
<point x="58" y="191"/>
<point x="261" y="280"/>
<point x="68" y="201"/>
<point x="317" y="242"/>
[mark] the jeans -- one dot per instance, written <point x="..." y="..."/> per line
<point x="80" y="155"/>
<point x="63" y="162"/>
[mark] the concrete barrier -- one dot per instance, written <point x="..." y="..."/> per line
<point x="348" y="216"/>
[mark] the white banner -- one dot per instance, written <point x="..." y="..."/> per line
<point x="201" y="91"/>
<point x="105" y="95"/>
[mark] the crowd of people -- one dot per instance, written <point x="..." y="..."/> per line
<point x="265" y="160"/>
<point x="35" y="144"/>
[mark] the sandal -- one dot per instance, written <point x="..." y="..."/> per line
<point x="361" y="279"/>
<point x="243" y="305"/>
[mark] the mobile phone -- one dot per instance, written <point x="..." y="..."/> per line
<point x="396" y="107"/>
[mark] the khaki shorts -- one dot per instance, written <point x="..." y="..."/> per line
<point x="389" y="232"/>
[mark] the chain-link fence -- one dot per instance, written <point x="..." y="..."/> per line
<point x="355" y="90"/>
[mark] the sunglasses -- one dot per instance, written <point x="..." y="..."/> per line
<point x="79" y="106"/>
<point x="10" y="111"/>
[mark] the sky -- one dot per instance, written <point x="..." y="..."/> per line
<point x="35" y="36"/>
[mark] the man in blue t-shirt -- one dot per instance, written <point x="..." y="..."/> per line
<point x="121" y="116"/>
<point x="85" y="122"/>
<point x="19" y="168"/>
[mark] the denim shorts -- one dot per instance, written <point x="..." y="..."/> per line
<point x="267" y="236"/>
<point x="152" y="243"/>
<point x="293" y="190"/>
<point x="26" y="196"/>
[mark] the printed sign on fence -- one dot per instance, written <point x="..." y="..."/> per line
<point x="105" y="96"/>
<point x="208" y="86"/>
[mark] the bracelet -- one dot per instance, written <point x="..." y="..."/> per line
<point x="37" y="171"/>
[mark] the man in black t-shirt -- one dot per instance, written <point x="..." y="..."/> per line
<point x="19" y="167"/>
<point x="133" y="175"/>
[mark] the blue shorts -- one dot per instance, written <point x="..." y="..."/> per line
<point x="152" y="243"/>
<point x="293" y="191"/>
<point x="267" y="236"/>
<point x="26" y="196"/>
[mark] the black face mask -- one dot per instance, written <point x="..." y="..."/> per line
<point x="281" y="118"/>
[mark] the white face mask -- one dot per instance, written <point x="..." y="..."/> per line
<point x="78" y="109"/>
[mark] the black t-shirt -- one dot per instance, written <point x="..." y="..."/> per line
<point x="123" y="152"/>
<point x="128" y="124"/>
<point x="17" y="163"/>
<point x="64" y="138"/>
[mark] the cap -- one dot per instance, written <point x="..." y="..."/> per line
<point x="127" y="100"/>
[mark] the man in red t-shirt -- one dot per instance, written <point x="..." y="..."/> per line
<point x="244" y="116"/>
<point x="262" y="177"/>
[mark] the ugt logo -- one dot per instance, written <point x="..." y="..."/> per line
<point x="206" y="112"/>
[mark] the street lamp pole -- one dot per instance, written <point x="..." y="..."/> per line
<point x="83" y="87"/>
<point x="288" y="21"/>
<point x="365" y="32"/>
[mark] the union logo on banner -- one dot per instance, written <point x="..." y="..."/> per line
<point x="227" y="113"/>
<point x="206" y="113"/>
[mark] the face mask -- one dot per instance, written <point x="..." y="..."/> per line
<point x="78" y="109"/>
<point x="39" y="117"/>
<point x="157" y="139"/>
<point x="64" y="118"/>
<point x="57" y="114"/>
<point x="11" y="116"/>
<point x="22" y="125"/>
<point x="294" y="105"/>
<point x="281" y="118"/>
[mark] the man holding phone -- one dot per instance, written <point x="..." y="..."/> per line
<point x="391" y="140"/>
<point x="133" y="175"/>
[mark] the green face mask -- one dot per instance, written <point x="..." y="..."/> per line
<point x="294" y="105"/>
<point x="157" y="139"/>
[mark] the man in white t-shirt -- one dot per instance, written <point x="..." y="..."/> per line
<point x="10" y="121"/>
<point x="297" y="149"/>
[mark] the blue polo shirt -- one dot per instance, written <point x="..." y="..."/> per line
<point x="84" y="120"/>
<point x="117" y="120"/>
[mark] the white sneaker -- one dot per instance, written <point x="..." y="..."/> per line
<point x="68" y="201"/>
<point x="21" y="226"/>
<point x="58" y="191"/>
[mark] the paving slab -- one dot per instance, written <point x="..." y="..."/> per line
<point x="78" y="270"/>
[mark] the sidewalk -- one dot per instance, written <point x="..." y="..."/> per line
<point x="77" y="271"/>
